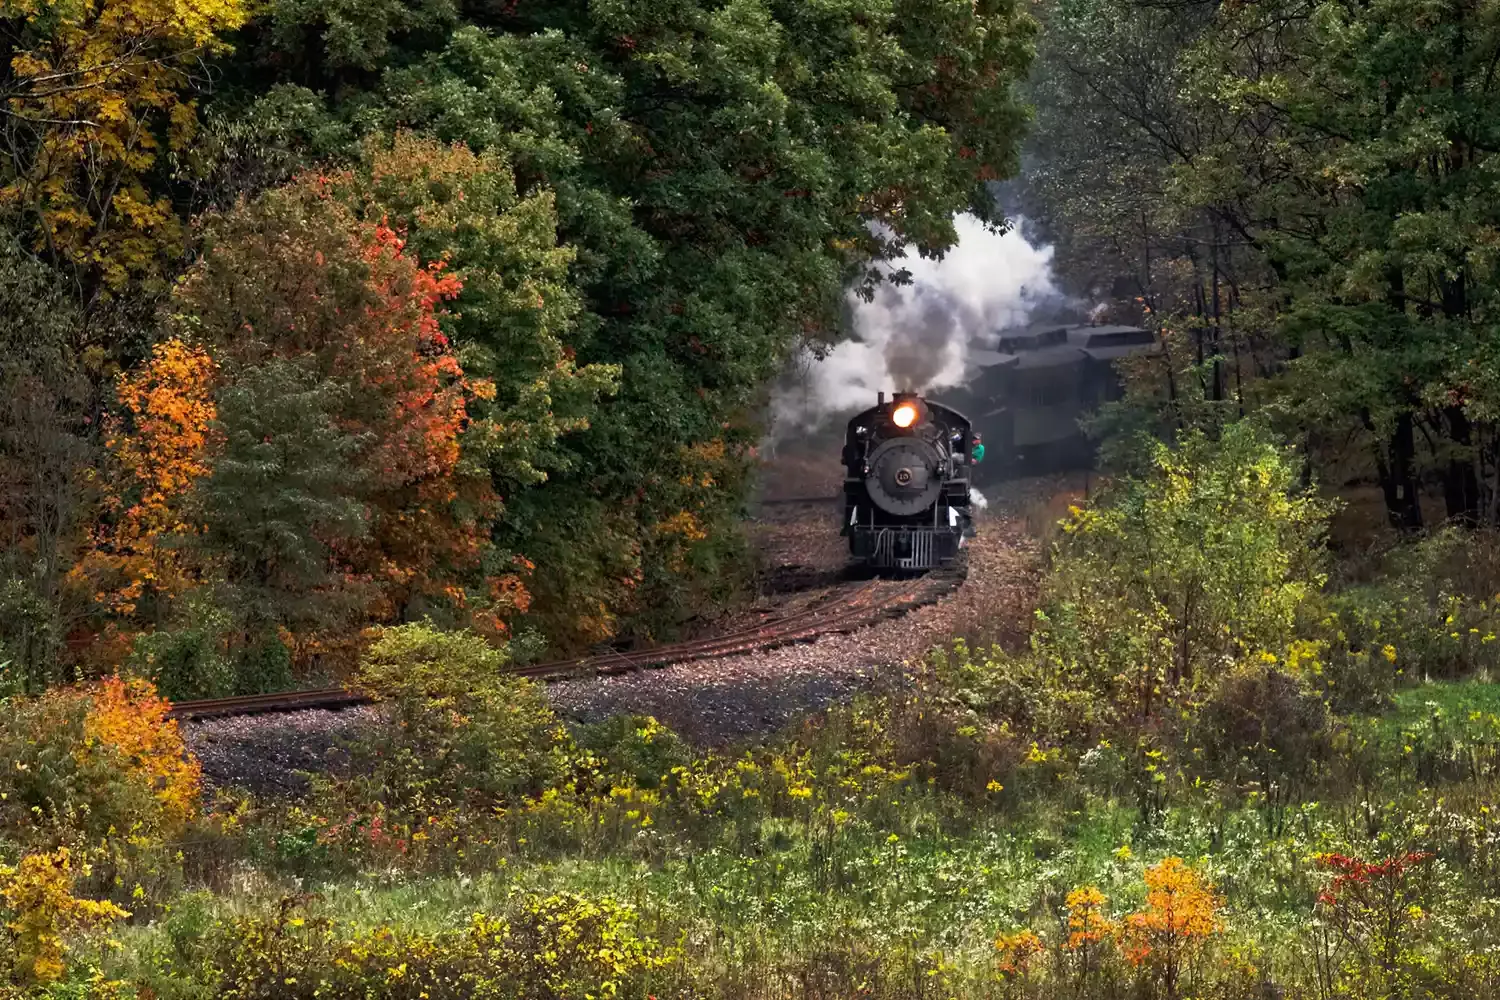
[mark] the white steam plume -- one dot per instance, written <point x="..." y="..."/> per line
<point x="919" y="336"/>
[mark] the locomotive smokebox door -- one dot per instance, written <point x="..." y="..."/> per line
<point x="905" y="475"/>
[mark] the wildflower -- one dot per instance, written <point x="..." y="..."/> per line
<point x="994" y="786"/>
<point x="1389" y="652"/>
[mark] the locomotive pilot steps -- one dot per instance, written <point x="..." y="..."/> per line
<point x="907" y="468"/>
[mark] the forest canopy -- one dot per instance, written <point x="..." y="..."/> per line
<point x="1299" y="196"/>
<point x="318" y="316"/>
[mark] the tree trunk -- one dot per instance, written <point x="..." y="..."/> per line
<point x="1398" y="479"/>
<point x="1460" y="483"/>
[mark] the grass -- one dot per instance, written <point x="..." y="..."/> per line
<point x="1455" y="699"/>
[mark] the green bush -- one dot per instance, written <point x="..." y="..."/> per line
<point x="190" y="660"/>
<point x="263" y="667"/>
<point x="636" y="748"/>
<point x="28" y="634"/>
<point x="466" y="731"/>
<point x="1183" y="571"/>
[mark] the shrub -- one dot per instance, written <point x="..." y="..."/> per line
<point x="1262" y="724"/>
<point x="557" y="947"/>
<point x="92" y="762"/>
<point x="1182" y="571"/>
<point x="190" y="660"/>
<point x="636" y="748"/>
<point x="1375" y="907"/>
<point x="263" y="666"/>
<point x="1090" y="931"/>
<point x="40" y="909"/>
<point x="1179" y="915"/>
<point x="466" y="730"/>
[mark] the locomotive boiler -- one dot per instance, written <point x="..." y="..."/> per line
<point x="907" y="467"/>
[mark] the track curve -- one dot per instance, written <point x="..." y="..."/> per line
<point x="846" y="608"/>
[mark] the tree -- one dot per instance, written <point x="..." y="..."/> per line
<point x="1389" y="247"/>
<point x="96" y="95"/>
<point x="377" y="406"/>
<point x="286" y="490"/>
<point x="162" y="441"/>
<point x="1177" y="574"/>
<point x="46" y="451"/>
<point x="510" y="320"/>
<point x="1338" y="154"/>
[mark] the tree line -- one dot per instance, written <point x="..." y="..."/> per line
<point x="1300" y="196"/>
<point x="321" y="315"/>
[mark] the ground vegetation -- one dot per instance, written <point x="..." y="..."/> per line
<point x="1301" y="803"/>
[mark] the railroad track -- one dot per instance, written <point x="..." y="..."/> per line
<point x="844" y="610"/>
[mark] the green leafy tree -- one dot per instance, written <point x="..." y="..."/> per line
<point x="286" y="487"/>
<point x="1331" y="162"/>
<point x="716" y="170"/>
<point x="1389" y="115"/>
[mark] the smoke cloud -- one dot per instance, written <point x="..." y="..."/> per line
<point x="919" y="336"/>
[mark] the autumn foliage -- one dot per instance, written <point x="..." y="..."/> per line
<point x="36" y="896"/>
<point x="162" y="439"/>
<point x="87" y="762"/>
<point x="130" y="720"/>
<point x="99" y="96"/>
<point x="362" y="511"/>
<point x="1180" y="913"/>
<point x="1373" y="904"/>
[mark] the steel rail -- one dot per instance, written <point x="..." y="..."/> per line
<point x="829" y="615"/>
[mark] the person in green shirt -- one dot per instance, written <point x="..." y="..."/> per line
<point x="978" y="453"/>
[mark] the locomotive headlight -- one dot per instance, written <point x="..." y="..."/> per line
<point x="904" y="416"/>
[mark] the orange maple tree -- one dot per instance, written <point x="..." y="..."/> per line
<point x="161" y="442"/>
<point x="430" y="517"/>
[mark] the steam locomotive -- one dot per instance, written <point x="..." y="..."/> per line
<point x="907" y="466"/>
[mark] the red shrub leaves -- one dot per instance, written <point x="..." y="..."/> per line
<point x="1372" y="905"/>
<point x="1354" y="875"/>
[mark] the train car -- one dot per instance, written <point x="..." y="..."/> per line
<point x="907" y="466"/>
<point x="1029" y="394"/>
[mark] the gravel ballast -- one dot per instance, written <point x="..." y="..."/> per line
<point x="714" y="703"/>
<point x="264" y="753"/>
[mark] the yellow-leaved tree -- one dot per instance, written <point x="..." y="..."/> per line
<point x="95" y="93"/>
